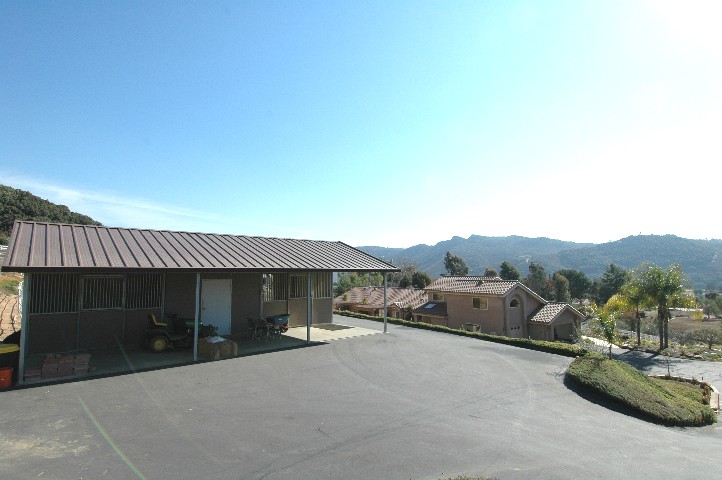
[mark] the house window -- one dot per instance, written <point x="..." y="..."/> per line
<point x="437" y="297"/>
<point x="479" y="303"/>
<point x="54" y="293"/>
<point x="514" y="303"/>
<point x="102" y="292"/>
<point x="299" y="286"/>
<point x="274" y="287"/>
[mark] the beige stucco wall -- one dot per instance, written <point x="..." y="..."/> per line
<point x="566" y="326"/>
<point x="499" y="316"/>
<point x="460" y="310"/>
<point x="538" y="331"/>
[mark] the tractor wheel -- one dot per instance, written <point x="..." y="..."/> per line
<point x="158" y="343"/>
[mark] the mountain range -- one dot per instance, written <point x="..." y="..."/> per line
<point x="701" y="260"/>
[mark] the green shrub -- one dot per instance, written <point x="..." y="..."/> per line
<point x="660" y="400"/>
<point x="557" y="348"/>
<point x="651" y="397"/>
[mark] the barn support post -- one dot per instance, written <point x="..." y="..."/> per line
<point x="308" y="311"/>
<point x="386" y="302"/>
<point x="197" y="319"/>
<point x="24" y="292"/>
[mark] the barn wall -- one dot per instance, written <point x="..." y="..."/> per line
<point x="245" y="300"/>
<point x="48" y="333"/>
<point x="100" y="329"/>
<point x="180" y="294"/>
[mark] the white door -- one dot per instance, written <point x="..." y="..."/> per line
<point x="216" y="304"/>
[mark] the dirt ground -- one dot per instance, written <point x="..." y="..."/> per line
<point x="9" y="307"/>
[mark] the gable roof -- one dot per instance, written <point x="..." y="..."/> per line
<point x="39" y="246"/>
<point x="549" y="312"/>
<point x="401" y="297"/>
<point x="477" y="285"/>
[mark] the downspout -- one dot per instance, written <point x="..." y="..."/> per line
<point x="197" y="319"/>
<point x="386" y="303"/>
<point x="24" y="291"/>
<point x="308" y="312"/>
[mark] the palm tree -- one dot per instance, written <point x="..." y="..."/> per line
<point x="634" y="296"/>
<point x="666" y="289"/>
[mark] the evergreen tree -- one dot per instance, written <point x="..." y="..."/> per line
<point x="491" y="272"/>
<point x="537" y="280"/>
<point x="561" y="288"/>
<point x="579" y="283"/>
<point x="420" y="279"/>
<point x="508" y="272"/>
<point x="613" y="278"/>
<point x="455" y="265"/>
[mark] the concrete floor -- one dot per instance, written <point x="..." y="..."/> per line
<point x="135" y="359"/>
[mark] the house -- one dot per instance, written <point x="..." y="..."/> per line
<point x="92" y="287"/>
<point x="370" y="300"/>
<point x="498" y="307"/>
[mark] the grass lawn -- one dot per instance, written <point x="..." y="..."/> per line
<point x="664" y="401"/>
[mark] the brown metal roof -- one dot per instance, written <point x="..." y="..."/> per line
<point x="36" y="246"/>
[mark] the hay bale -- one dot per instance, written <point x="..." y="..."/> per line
<point x="214" y="349"/>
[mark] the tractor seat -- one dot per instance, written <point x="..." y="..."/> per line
<point x="153" y="322"/>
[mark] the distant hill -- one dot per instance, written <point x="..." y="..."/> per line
<point x="21" y="205"/>
<point x="700" y="259"/>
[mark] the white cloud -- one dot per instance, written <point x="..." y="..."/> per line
<point x="113" y="209"/>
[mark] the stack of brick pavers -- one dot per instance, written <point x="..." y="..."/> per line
<point x="58" y="366"/>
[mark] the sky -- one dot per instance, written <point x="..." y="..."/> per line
<point x="388" y="123"/>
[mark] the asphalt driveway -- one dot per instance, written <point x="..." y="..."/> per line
<point x="409" y="404"/>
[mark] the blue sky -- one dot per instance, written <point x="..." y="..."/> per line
<point x="374" y="123"/>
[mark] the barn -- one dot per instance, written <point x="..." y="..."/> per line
<point x="94" y="287"/>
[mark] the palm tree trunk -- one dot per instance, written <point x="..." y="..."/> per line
<point x="660" y="321"/>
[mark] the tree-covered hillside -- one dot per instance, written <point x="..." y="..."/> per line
<point x="701" y="260"/>
<point x="21" y="205"/>
<point x="478" y="252"/>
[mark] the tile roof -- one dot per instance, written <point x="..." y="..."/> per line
<point x="432" y="309"/>
<point x="547" y="313"/>
<point x="473" y="284"/>
<point x="37" y="246"/>
<point x="401" y="297"/>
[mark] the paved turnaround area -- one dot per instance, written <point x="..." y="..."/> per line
<point x="409" y="404"/>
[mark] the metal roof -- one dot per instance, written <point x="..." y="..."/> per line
<point x="39" y="246"/>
